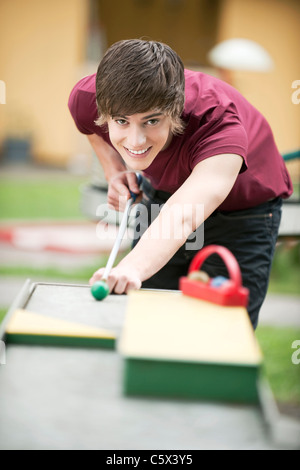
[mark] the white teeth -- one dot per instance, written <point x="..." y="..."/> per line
<point x="138" y="152"/>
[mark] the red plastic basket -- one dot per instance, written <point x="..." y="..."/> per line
<point x="230" y="293"/>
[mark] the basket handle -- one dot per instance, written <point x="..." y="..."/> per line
<point x="226" y="255"/>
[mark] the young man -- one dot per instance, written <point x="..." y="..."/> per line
<point x="198" y="144"/>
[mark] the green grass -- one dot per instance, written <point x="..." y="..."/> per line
<point x="40" y="199"/>
<point x="283" y="376"/>
<point x="81" y="275"/>
<point x="2" y="313"/>
<point x="285" y="274"/>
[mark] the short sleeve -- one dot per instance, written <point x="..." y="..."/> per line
<point x="222" y="132"/>
<point x="83" y="109"/>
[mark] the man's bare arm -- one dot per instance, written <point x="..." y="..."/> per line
<point x="209" y="184"/>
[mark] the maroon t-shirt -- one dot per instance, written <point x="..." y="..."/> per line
<point x="218" y="120"/>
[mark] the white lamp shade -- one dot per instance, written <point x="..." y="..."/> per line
<point x="240" y="54"/>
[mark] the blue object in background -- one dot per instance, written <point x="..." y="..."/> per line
<point x="218" y="281"/>
<point x="16" y="150"/>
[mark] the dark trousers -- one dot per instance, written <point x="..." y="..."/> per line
<point x="249" y="234"/>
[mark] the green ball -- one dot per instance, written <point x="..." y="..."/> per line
<point x="100" y="290"/>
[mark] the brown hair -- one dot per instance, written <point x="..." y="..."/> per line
<point x="137" y="76"/>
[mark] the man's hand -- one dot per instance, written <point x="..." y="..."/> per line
<point x="119" y="187"/>
<point x="120" y="279"/>
<point x="119" y="179"/>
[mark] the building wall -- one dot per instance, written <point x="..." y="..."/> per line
<point x="275" y="25"/>
<point x="188" y="26"/>
<point x="42" y="44"/>
<point x="43" y="52"/>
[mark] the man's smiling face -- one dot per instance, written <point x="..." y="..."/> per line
<point x="140" y="137"/>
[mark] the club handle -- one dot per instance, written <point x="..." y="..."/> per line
<point x="139" y="181"/>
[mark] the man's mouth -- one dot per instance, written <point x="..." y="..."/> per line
<point x="137" y="152"/>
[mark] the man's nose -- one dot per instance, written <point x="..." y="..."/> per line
<point x="136" y="137"/>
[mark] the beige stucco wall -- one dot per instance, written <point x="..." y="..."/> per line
<point x="43" y="54"/>
<point x="275" y="24"/>
<point x="41" y="45"/>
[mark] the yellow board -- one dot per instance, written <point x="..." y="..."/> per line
<point x="172" y="326"/>
<point x="24" y="322"/>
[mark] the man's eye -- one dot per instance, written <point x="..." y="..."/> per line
<point x="152" y="122"/>
<point x="121" y="122"/>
